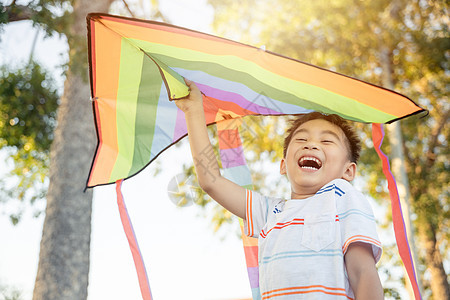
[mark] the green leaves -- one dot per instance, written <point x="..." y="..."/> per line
<point x="28" y="103"/>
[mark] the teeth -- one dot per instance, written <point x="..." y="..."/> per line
<point x="310" y="163"/>
<point x="310" y="168"/>
<point x="311" y="158"/>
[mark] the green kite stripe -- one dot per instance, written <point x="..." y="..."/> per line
<point x="127" y="95"/>
<point x="147" y="102"/>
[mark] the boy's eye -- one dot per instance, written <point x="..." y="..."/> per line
<point x="301" y="139"/>
<point x="327" y="141"/>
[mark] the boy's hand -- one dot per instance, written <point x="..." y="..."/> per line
<point x="193" y="102"/>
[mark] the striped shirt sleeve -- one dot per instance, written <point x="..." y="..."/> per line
<point x="356" y="220"/>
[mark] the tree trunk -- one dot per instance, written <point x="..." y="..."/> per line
<point x="64" y="254"/>
<point x="433" y="258"/>
<point x="63" y="269"/>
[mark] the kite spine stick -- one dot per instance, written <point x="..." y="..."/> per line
<point x="132" y="241"/>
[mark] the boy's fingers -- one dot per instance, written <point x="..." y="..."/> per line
<point x="193" y="89"/>
<point x="191" y="85"/>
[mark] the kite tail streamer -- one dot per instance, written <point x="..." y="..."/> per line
<point x="132" y="241"/>
<point x="397" y="215"/>
<point x="251" y="259"/>
<point x="235" y="168"/>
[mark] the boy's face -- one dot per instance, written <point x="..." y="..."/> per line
<point x="316" y="155"/>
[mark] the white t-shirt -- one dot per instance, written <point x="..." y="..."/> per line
<point x="302" y="242"/>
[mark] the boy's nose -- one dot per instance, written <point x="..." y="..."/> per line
<point x="310" y="146"/>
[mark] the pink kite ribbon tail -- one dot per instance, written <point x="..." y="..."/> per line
<point x="132" y="241"/>
<point x="397" y="215"/>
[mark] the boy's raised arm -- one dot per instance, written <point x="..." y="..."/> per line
<point x="225" y="192"/>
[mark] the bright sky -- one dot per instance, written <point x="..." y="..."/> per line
<point x="184" y="258"/>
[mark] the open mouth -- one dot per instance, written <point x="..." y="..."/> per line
<point x="309" y="162"/>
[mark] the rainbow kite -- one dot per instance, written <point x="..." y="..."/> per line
<point x="137" y="69"/>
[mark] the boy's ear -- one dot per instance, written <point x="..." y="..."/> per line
<point x="350" y="172"/>
<point x="283" y="166"/>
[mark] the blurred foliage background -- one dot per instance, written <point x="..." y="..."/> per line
<point x="351" y="37"/>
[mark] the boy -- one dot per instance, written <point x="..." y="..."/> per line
<point x="320" y="244"/>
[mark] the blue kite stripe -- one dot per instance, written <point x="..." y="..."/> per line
<point x="355" y="212"/>
<point x="301" y="253"/>
<point x="166" y="118"/>
<point x="240" y="175"/>
<point x="256" y="294"/>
